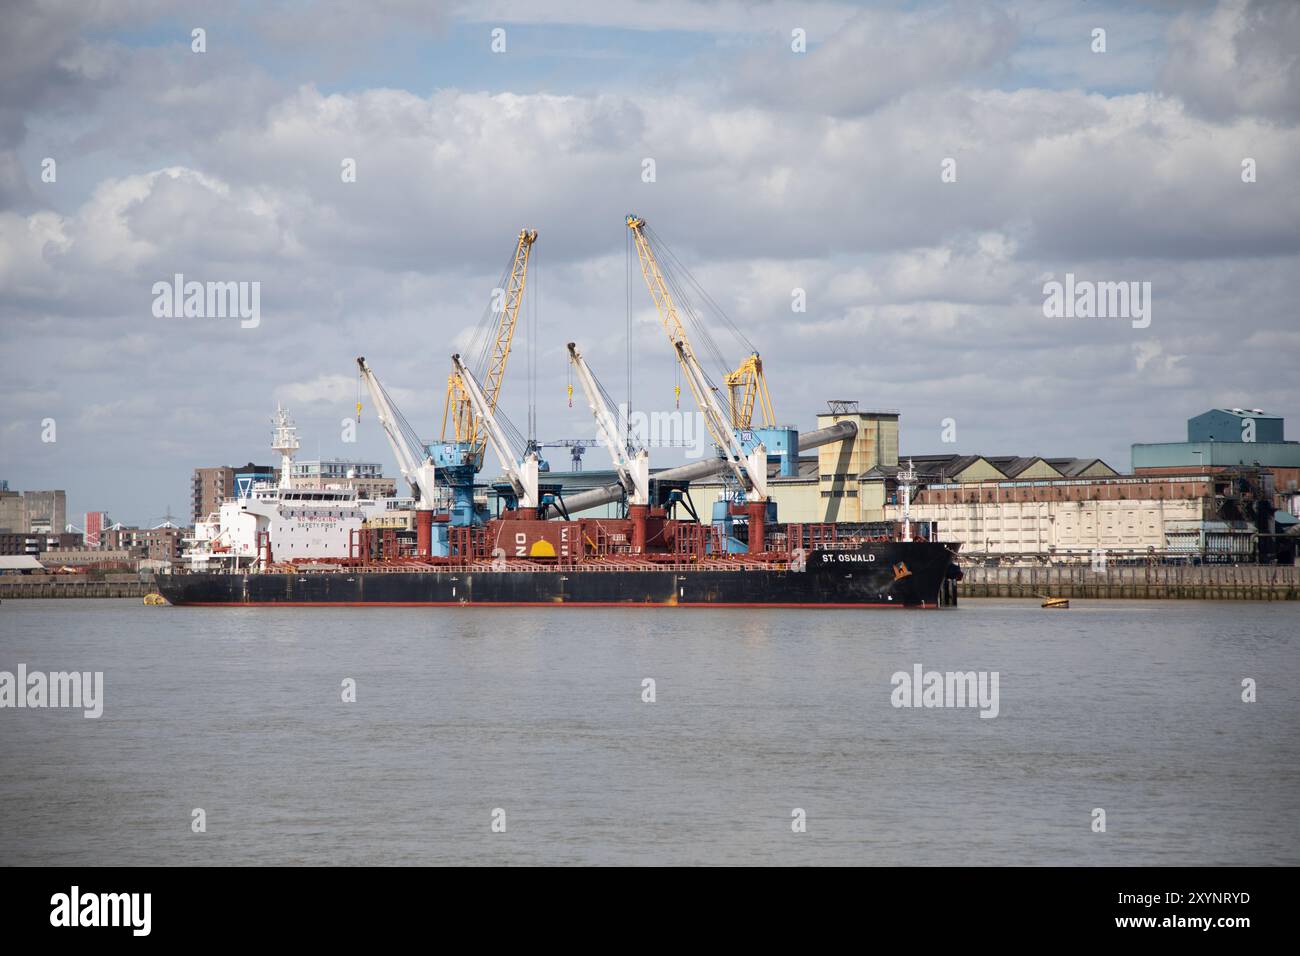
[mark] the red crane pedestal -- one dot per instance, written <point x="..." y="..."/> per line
<point x="638" y="514"/>
<point x="757" y="526"/>
<point x="424" y="533"/>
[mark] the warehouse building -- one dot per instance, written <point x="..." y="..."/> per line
<point x="1225" y="438"/>
<point x="1227" y="494"/>
<point x="1066" y="518"/>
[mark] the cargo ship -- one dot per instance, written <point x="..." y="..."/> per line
<point x="287" y="545"/>
<point x="292" y="546"/>
<point x="847" y="574"/>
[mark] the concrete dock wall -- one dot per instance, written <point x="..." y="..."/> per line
<point x="72" y="586"/>
<point x="1199" y="582"/>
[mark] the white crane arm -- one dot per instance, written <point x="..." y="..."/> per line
<point x="634" y="470"/>
<point x="749" y="469"/>
<point x="416" y="468"/>
<point x="522" y="475"/>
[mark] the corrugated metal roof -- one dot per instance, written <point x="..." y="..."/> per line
<point x="1010" y="465"/>
<point x="947" y="466"/>
<point x="1246" y="412"/>
<point x="19" y="562"/>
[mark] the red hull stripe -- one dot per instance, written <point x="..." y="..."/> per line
<point x="479" y="604"/>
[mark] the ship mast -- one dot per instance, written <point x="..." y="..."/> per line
<point x="906" y="482"/>
<point x="284" y="441"/>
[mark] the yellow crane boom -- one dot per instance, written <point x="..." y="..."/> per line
<point x="747" y="385"/>
<point x="750" y="468"/>
<point x="663" y="300"/>
<point x="458" y="413"/>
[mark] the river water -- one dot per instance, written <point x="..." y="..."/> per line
<point x="1134" y="708"/>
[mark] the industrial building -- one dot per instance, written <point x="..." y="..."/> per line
<point x="47" y="511"/>
<point x="1209" y="499"/>
<point x="1065" y="518"/>
<point x="32" y="512"/>
<point x="1225" y="438"/>
<point x="13" y="513"/>
<point x="826" y="487"/>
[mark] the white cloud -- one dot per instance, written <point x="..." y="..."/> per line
<point x="323" y="389"/>
<point x="876" y="57"/>
<point x="1241" y="59"/>
<point x="713" y="16"/>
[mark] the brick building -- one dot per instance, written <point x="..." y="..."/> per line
<point x="211" y="486"/>
<point x="163" y="543"/>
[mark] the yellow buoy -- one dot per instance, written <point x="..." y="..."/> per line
<point x="153" y="597"/>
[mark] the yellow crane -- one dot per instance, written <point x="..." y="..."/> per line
<point x="746" y="385"/>
<point x="460" y="422"/>
<point x="749" y="467"/>
<point x="663" y="300"/>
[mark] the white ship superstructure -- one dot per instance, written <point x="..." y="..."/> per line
<point x="274" y="522"/>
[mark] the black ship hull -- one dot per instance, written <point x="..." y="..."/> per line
<point x="884" y="574"/>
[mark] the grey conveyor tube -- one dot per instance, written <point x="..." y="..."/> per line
<point x="595" y="497"/>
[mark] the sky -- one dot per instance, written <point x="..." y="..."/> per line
<point x="824" y="169"/>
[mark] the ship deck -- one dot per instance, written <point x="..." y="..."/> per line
<point x="594" y="565"/>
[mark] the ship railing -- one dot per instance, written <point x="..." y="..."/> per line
<point x="848" y="544"/>
<point x="580" y="567"/>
